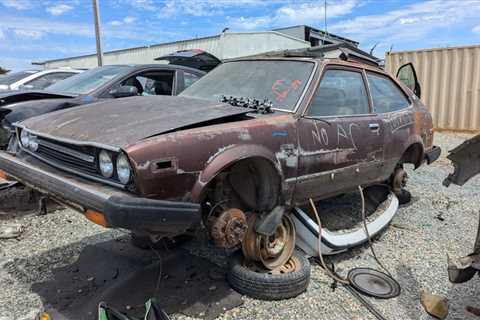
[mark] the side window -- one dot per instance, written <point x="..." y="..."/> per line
<point x="189" y="79"/>
<point x="48" y="79"/>
<point x="340" y="93"/>
<point x="387" y="97"/>
<point x="152" y="83"/>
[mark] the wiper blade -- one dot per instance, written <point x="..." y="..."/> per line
<point x="259" y="106"/>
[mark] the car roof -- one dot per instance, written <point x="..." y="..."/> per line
<point x="135" y="67"/>
<point x="339" y="52"/>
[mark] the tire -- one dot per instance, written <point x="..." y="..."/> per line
<point x="267" y="286"/>
<point x="404" y="196"/>
<point x="145" y="243"/>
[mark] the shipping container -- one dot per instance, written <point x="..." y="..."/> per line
<point x="450" y="83"/>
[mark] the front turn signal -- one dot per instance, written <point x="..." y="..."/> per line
<point x="96" y="217"/>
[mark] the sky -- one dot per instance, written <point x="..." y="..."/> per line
<point x="36" y="30"/>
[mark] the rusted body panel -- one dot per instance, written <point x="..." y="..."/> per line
<point x="115" y="131"/>
<point x="211" y="149"/>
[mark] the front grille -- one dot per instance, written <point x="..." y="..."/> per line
<point x="71" y="156"/>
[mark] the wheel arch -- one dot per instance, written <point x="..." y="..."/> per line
<point x="227" y="158"/>
<point x="413" y="153"/>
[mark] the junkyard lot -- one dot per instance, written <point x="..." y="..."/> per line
<point x="414" y="249"/>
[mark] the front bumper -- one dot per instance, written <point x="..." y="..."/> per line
<point x="433" y="154"/>
<point x="120" y="209"/>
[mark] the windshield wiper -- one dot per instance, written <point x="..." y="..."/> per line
<point x="259" y="106"/>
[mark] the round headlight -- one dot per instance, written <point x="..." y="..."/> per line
<point x="105" y="163"/>
<point x="33" y="143"/>
<point x="25" y="138"/>
<point x="124" y="172"/>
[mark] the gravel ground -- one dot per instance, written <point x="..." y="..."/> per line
<point x="413" y="248"/>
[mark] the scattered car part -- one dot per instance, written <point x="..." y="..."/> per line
<point x="336" y="242"/>
<point x="284" y="282"/>
<point x="267" y="224"/>
<point x="434" y="305"/>
<point x="463" y="269"/>
<point x="262" y="107"/>
<point x="228" y="229"/>
<point x="374" y="283"/>
<point x="152" y="312"/>
<point x="271" y="251"/>
<point x="466" y="161"/>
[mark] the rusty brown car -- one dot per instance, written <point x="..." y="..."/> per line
<point x="233" y="154"/>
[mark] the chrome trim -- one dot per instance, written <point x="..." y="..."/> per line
<point x="68" y="151"/>
<point x="69" y="141"/>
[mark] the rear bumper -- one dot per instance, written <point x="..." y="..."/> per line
<point x="119" y="208"/>
<point x="433" y="154"/>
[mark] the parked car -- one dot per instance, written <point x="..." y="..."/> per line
<point x="113" y="81"/>
<point x="236" y="150"/>
<point x="34" y="79"/>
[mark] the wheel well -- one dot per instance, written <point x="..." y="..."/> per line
<point x="250" y="184"/>
<point x="413" y="154"/>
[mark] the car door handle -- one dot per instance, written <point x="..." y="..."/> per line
<point x="374" y="126"/>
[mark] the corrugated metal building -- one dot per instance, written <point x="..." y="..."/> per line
<point x="450" y="81"/>
<point x="226" y="45"/>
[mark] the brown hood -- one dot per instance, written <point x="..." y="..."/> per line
<point x="120" y="122"/>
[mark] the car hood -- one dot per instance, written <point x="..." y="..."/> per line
<point x="13" y="96"/>
<point x="23" y="110"/>
<point x="118" y="123"/>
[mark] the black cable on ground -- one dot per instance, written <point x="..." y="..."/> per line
<point x="337" y="278"/>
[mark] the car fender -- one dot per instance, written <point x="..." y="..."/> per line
<point x="226" y="157"/>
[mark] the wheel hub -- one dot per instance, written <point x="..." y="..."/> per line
<point x="400" y="178"/>
<point x="229" y="228"/>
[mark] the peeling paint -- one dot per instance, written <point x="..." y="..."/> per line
<point x="219" y="151"/>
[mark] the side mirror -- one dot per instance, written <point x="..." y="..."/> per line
<point x="124" y="91"/>
<point x="407" y="75"/>
<point x="26" y="87"/>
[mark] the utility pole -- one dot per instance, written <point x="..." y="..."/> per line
<point x="98" y="36"/>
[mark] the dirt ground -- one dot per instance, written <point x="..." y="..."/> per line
<point x="63" y="264"/>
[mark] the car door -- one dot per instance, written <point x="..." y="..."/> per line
<point x="340" y="139"/>
<point x="149" y="82"/>
<point x="396" y="111"/>
<point x="408" y="76"/>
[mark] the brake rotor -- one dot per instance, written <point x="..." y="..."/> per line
<point x="374" y="283"/>
<point x="271" y="251"/>
<point x="229" y="228"/>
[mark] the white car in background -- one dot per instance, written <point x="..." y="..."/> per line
<point x="34" y="79"/>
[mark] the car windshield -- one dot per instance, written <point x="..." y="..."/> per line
<point x="280" y="81"/>
<point x="14" y="77"/>
<point x="86" y="82"/>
